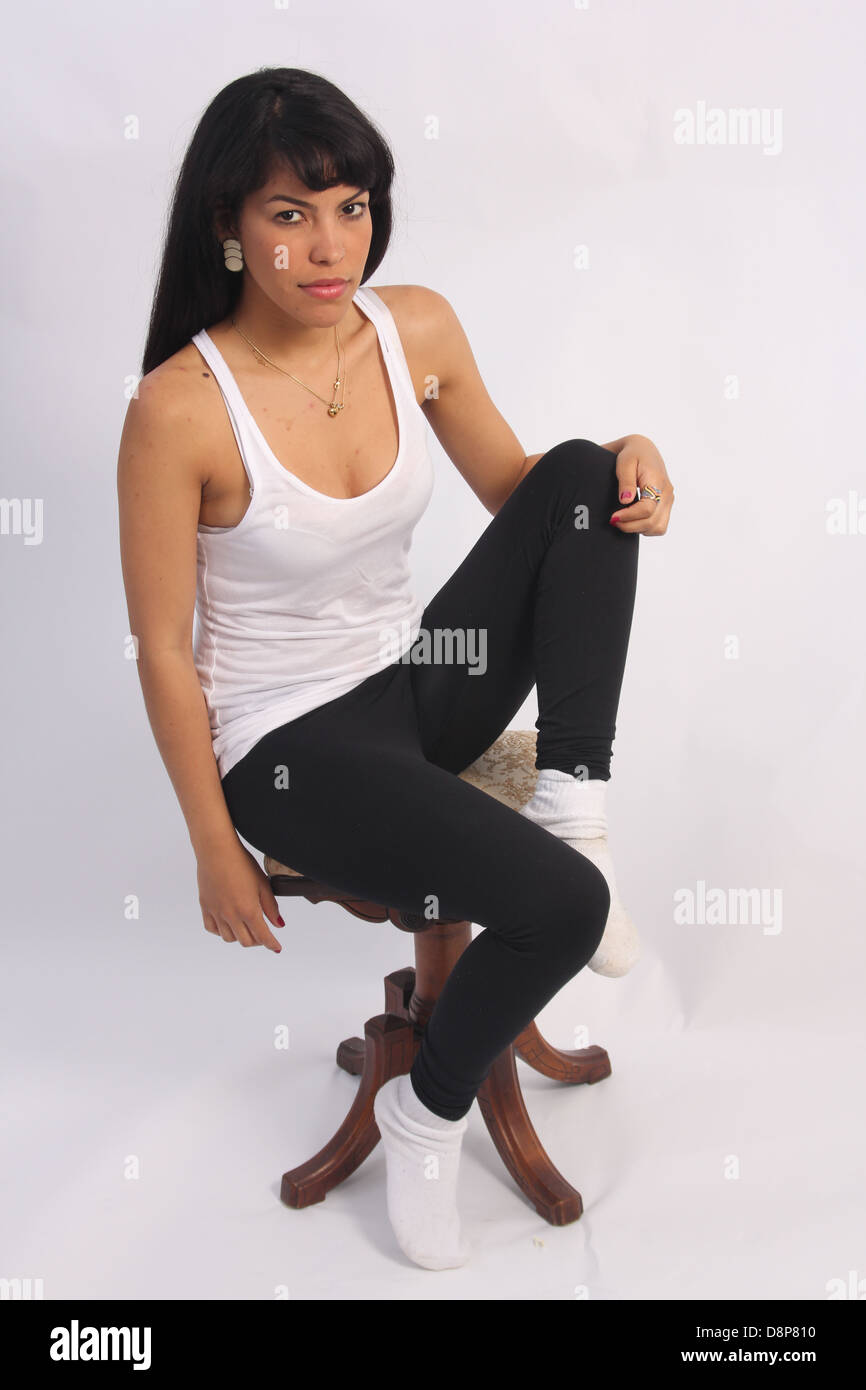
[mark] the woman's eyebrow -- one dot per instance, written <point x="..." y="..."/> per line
<point x="284" y="198"/>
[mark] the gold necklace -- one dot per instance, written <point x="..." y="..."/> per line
<point x="334" y="406"/>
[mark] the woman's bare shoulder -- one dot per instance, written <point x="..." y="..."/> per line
<point x="420" y="313"/>
<point x="180" y="389"/>
<point x="171" y="415"/>
<point x="414" y="303"/>
<point x="182" y="381"/>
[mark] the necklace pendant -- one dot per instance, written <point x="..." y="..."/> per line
<point x="333" y="408"/>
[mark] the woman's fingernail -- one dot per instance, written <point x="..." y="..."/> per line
<point x="281" y="922"/>
<point x="614" y="521"/>
<point x="624" y="496"/>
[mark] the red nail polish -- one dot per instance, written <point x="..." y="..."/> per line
<point x="614" y="521"/>
<point x="624" y="496"/>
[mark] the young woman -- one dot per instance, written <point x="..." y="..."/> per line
<point x="272" y="467"/>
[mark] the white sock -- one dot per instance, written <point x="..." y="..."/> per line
<point x="573" y="809"/>
<point x="422" y="1156"/>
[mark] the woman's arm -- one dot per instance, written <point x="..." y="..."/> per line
<point x="159" y="497"/>
<point x="159" y="482"/>
<point x="476" y="437"/>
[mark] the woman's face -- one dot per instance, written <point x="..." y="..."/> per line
<point x="292" y="237"/>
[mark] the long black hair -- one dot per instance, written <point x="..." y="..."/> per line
<point x="287" y="113"/>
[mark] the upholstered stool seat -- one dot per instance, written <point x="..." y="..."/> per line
<point x="507" y="772"/>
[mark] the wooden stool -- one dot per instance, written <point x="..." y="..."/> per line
<point x="507" y="772"/>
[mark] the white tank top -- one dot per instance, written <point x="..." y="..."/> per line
<point x="308" y="595"/>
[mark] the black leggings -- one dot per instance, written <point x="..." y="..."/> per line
<point x="374" y="804"/>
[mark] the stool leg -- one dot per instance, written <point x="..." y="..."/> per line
<point x="582" y="1065"/>
<point x="500" y="1101"/>
<point x="391" y="1045"/>
<point x="399" y="988"/>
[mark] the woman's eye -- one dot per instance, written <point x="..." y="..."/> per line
<point x="293" y="212"/>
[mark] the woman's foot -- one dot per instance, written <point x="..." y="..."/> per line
<point x="422" y="1156"/>
<point x="574" y="810"/>
<point x="619" y="948"/>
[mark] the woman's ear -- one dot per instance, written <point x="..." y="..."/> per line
<point x="222" y="225"/>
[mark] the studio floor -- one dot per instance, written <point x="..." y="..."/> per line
<point x="150" y="1115"/>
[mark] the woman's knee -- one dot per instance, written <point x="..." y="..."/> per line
<point x="584" y="466"/>
<point x="567" y="912"/>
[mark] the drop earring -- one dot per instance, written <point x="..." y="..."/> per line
<point x="233" y="254"/>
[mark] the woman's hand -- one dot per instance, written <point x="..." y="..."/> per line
<point x="638" y="465"/>
<point x="234" y="892"/>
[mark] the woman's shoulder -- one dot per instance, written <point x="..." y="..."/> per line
<point x="177" y="378"/>
<point x="411" y="301"/>
<point x="418" y="311"/>
<point x="177" y="387"/>
<point x="173" y="410"/>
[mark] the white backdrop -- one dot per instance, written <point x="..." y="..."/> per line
<point x="612" y="278"/>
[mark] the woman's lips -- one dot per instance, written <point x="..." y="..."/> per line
<point x="325" y="291"/>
